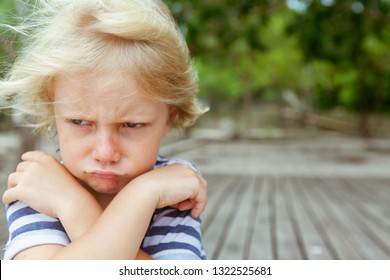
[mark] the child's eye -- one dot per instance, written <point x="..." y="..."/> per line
<point x="79" y="122"/>
<point x="133" y="125"/>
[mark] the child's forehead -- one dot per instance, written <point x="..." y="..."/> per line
<point x="108" y="84"/>
<point x="109" y="91"/>
<point x="106" y="109"/>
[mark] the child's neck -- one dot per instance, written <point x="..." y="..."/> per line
<point x="103" y="199"/>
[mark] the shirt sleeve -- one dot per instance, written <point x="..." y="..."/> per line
<point x="174" y="234"/>
<point x="29" y="228"/>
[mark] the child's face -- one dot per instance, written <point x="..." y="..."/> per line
<point x="109" y="133"/>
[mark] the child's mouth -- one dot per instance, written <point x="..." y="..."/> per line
<point x="103" y="174"/>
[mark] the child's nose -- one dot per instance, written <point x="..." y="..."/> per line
<point x="106" y="148"/>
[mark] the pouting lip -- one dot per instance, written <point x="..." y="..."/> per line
<point x="104" y="174"/>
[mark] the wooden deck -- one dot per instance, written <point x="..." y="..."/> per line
<point x="257" y="217"/>
<point x="325" y="198"/>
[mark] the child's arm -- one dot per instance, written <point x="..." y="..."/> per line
<point x="44" y="184"/>
<point x="109" y="237"/>
<point x="50" y="182"/>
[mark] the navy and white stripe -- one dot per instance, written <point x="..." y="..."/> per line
<point x="163" y="161"/>
<point x="28" y="228"/>
<point x="172" y="234"/>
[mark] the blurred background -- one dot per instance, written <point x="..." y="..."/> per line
<point x="291" y="81"/>
<point x="267" y="67"/>
<point x="285" y="64"/>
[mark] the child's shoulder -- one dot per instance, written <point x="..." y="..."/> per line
<point x="164" y="161"/>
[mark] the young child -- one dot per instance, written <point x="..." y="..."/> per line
<point x="110" y="77"/>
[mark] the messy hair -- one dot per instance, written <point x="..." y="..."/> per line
<point x="68" y="37"/>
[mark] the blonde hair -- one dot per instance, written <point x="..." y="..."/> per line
<point x="67" y="37"/>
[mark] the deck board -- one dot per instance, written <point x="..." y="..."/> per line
<point x="218" y="221"/>
<point x="258" y="242"/>
<point x="264" y="217"/>
<point x="236" y="230"/>
<point x="289" y="245"/>
<point x="330" y="233"/>
<point x="314" y="243"/>
<point x="349" y="221"/>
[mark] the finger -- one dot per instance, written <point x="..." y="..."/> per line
<point x="9" y="196"/>
<point x="175" y="205"/>
<point x="22" y="166"/>
<point x="201" y="202"/>
<point x="33" y="156"/>
<point x="198" y="209"/>
<point x="185" y="205"/>
<point x="13" y="180"/>
<point x="28" y="155"/>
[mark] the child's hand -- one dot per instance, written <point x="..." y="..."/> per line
<point x="42" y="183"/>
<point x="178" y="186"/>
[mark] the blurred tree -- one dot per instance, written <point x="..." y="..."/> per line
<point x="350" y="42"/>
<point x="236" y="45"/>
<point x="242" y="48"/>
<point x="7" y="48"/>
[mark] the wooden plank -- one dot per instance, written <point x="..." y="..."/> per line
<point x="338" y="241"/>
<point x="239" y="220"/>
<point x="363" y="237"/>
<point x="371" y="210"/>
<point x="288" y="242"/>
<point x="259" y="240"/>
<point x="214" y="183"/>
<point x="376" y="196"/>
<point x="347" y="223"/>
<point x="371" y="189"/>
<point x="315" y="244"/>
<point x="384" y="183"/>
<point x="373" y="224"/>
<point x="321" y="247"/>
<point x="378" y="193"/>
<point x="218" y="221"/>
<point x="219" y="189"/>
<point x="381" y="186"/>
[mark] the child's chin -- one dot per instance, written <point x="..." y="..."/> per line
<point x="107" y="187"/>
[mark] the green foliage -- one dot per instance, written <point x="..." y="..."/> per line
<point x="237" y="47"/>
<point x="219" y="81"/>
<point x="352" y="39"/>
<point x="7" y="46"/>
<point x="339" y="51"/>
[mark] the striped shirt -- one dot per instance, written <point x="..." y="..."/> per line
<point x="172" y="234"/>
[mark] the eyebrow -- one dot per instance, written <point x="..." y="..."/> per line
<point x="135" y="114"/>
